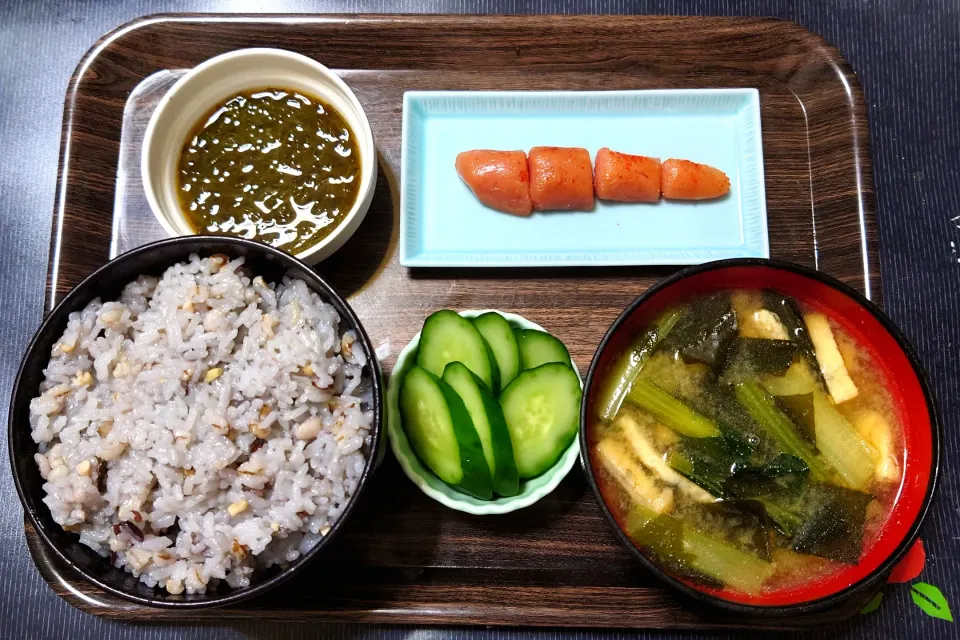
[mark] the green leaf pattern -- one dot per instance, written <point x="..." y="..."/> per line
<point x="873" y="605"/>
<point x="930" y="600"/>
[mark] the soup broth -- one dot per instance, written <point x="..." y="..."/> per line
<point x="747" y="442"/>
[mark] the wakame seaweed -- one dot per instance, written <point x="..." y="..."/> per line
<point x="778" y="486"/>
<point x="749" y="358"/>
<point x="660" y="534"/>
<point x="833" y="524"/>
<point x="763" y="408"/>
<point x="719" y="403"/>
<point x="739" y="524"/>
<point x="708" y="462"/>
<point x="800" y="408"/>
<point x="705" y="332"/>
<point x="705" y="475"/>
<point x="698" y="556"/>
<point x="790" y="316"/>
<point x="782" y="465"/>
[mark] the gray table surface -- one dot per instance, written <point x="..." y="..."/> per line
<point x="907" y="56"/>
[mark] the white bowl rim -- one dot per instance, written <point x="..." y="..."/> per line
<point x="468" y="504"/>
<point x="367" y="145"/>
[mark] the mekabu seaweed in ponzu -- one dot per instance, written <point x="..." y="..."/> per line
<point x="727" y="455"/>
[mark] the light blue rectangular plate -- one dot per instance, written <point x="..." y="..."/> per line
<point x="444" y="225"/>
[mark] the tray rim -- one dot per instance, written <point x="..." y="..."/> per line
<point x="866" y="215"/>
<point x="440" y="609"/>
<point x="866" y="196"/>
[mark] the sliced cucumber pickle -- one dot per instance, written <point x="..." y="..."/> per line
<point x="539" y="347"/>
<point x="448" y="337"/>
<point x="442" y="433"/>
<point x="499" y="335"/>
<point x="489" y="422"/>
<point x="542" y="410"/>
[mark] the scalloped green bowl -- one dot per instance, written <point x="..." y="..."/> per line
<point x="530" y="490"/>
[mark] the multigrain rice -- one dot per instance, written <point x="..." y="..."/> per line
<point x="202" y="426"/>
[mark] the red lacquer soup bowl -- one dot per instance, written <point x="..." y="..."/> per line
<point x="889" y="350"/>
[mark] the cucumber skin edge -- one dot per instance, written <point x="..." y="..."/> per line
<point x="476" y="479"/>
<point x="494" y="366"/>
<point x="506" y="481"/>
<point x="501" y="385"/>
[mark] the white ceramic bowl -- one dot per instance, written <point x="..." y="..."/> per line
<point x="219" y="78"/>
<point x="531" y="490"/>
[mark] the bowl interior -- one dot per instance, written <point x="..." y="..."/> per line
<point x="107" y="284"/>
<point x="873" y="332"/>
<point x="217" y="79"/>
<point x="530" y="490"/>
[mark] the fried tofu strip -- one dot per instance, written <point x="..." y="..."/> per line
<point x="654" y="461"/>
<point x="831" y="363"/>
<point x="632" y="478"/>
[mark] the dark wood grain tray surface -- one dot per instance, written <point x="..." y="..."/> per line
<point x="404" y="557"/>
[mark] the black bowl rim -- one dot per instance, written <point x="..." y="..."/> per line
<point x="235" y="596"/>
<point x="936" y="428"/>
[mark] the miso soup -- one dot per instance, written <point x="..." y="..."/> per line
<point x="747" y="442"/>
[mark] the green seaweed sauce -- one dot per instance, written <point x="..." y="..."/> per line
<point x="274" y="165"/>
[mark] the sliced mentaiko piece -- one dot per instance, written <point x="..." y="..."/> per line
<point x="622" y="177"/>
<point x="632" y="477"/>
<point x="499" y="179"/>
<point x="686" y="180"/>
<point x="561" y="178"/>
